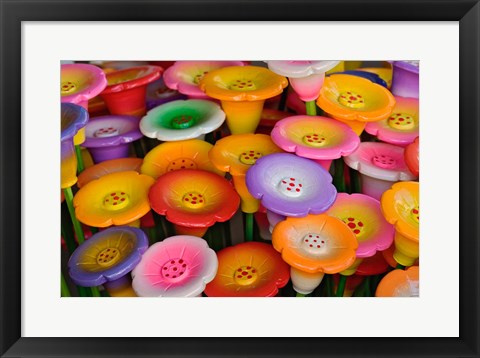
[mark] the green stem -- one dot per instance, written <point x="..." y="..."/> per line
<point x="64" y="288"/>
<point x="400" y="267"/>
<point x="300" y="294"/>
<point x="95" y="292"/>
<point x="76" y="224"/>
<point x="367" y="287"/>
<point x="341" y="285"/>
<point x="355" y="181"/>
<point x="80" y="165"/>
<point x="67" y="231"/>
<point x="82" y="291"/>
<point x="311" y="108"/>
<point x="338" y="178"/>
<point x="139" y="152"/>
<point x="248" y="227"/>
<point x="328" y="284"/>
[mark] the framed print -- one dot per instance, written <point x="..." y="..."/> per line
<point x="189" y="61"/>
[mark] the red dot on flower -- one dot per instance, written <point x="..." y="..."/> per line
<point x="284" y="182"/>
<point x="239" y="270"/>
<point x="309" y="235"/>
<point x="292" y="179"/>
<point x="194" y="202"/>
<point x="186" y="199"/>
<point x="401" y="119"/>
<point x="113" y="194"/>
<point x="239" y="276"/>
<point x="289" y="189"/>
<point x="300" y="185"/>
<point x="415" y="211"/>
<point x="172" y="262"/>
<point x="115" y="203"/>
<point x="248" y="267"/>
<point x="244" y="273"/>
<point x="311" y="245"/>
<point x="122" y="199"/>
<point x="318" y="246"/>
<point x="249" y="276"/>
<point x="190" y="194"/>
<point x="122" y="193"/>
<point x="353" y="98"/>
<point x="352" y="225"/>
<point x="175" y="269"/>
<point x="297" y="190"/>
<point x="201" y="201"/>
<point x="253" y="271"/>
<point x="360" y="224"/>
<point x="291" y="184"/>
<point x="351" y="219"/>
<point x="306" y="240"/>
<point x="184" y="265"/>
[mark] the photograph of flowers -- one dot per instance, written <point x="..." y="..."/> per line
<point x="240" y="178"/>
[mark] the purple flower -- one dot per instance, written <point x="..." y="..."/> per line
<point x="290" y="185"/>
<point x="107" y="256"/>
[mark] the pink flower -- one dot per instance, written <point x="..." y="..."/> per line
<point x="319" y="138"/>
<point x="306" y="77"/>
<point x="184" y="76"/>
<point x="364" y="217"/>
<point x="401" y="127"/>
<point x="179" y="266"/>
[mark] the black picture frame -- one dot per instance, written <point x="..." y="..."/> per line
<point x="13" y="12"/>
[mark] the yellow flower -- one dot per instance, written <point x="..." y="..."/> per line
<point x="170" y="156"/>
<point x="242" y="91"/>
<point x="114" y="199"/>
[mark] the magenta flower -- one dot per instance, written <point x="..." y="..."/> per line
<point x="179" y="266"/>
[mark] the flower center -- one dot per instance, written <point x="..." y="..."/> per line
<point x="193" y="200"/>
<point x="415" y="213"/>
<point x="182" y="122"/>
<point x="108" y="257"/>
<point x="181" y="163"/>
<point x="116" y="200"/>
<point x="106" y="132"/>
<point x="314" y="140"/>
<point x="67" y="87"/>
<point x="174" y="269"/>
<point x="245" y="275"/>
<point x="243" y="85"/>
<point x="355" y="225"/>
<point x="199" y="77"/>
<point x="249" y="157"/>
<point x="384" y="161"/>
<point x="351" y="100"/>
<point x="290" y="187"/>
<point x="313" y="243"/>
<point x="401" y="121"/>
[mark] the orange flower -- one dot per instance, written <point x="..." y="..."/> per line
<point x="114" y="199"/>
<point x="400" y="206"/>
<point x="193" y="200"/>
<point x="107" y="167"/>
<point x="170" y="156"/>
<point x="248" y="269"/>
<point x="242" y="91"/>
<point x="400" y="283"/>
<point x="314" y="245"/>
<point x="236" y="154"/>
<point x="353" y="99"/>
